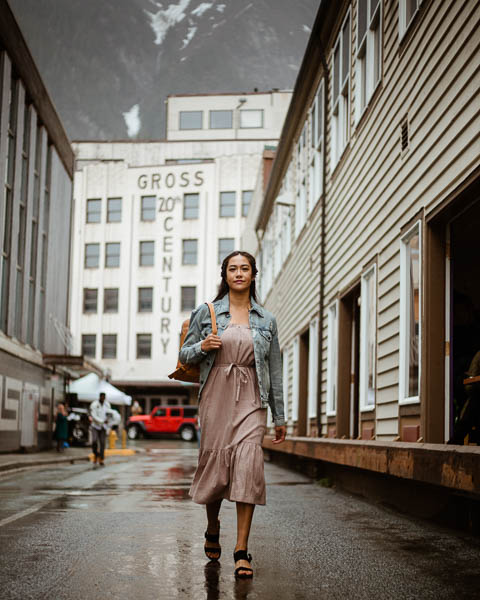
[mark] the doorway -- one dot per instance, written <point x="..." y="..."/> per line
<point x="303" y="383"/>
<point x="348" y="412"/>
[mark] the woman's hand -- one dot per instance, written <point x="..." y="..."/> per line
<point x="211" y="342"/>
<point x="280" y="432"/>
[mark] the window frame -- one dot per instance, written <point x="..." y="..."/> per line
<point x="221" y="205"/>
<point x="403" y="26"/>
<point x="91" y="335"/>
<point x="139" y="300"/>
<point x="92" y="244"/>
<point x="371" y="272"/>
<point x="182" y="298"/>
<point x="107" y="256"/>
<point x="183" y="112"/>
<point x="245" y="110"/>
<point x="97" y="212"/>
<point x="110" y="212"/>
<point x="105" y="311"/>
<point x="332" y="359"/>
<point x="247" y="204"/>
<point x="84" y="304"/>
<point x="185" y="207"/>
<point x="365" y="59"/>
<point x="139" y="335"/>
<point x="404" y="365"/>
<point x="218" y="248"/>
<point x="340" y="107"/>
<point x="211" y="112"/>
<point x="143" y="209"/>
<point x="114" y="337"/>
<point x="140" y="254"/>
<point x="185" y="253"/>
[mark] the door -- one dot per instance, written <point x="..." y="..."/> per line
<point x="29" y="420"/>
<point x="175" y="419"/>
<point x="159" y="421"/>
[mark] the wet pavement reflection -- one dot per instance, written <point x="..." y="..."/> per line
<point x="130" y="530"/>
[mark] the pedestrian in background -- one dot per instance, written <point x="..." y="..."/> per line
<point x="61" y="427"/>
<point x="136" y="408"/>
<point x="99" y="410"/>
<point x="240" y="375"/>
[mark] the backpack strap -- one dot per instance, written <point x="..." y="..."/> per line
<point x="212" y="316"/>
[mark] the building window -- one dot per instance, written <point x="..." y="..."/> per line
<point x="94" y="210"/>
<point x="246" y="200"/>
<point x="110" y="300"/>
<point x="89" y="343"/>
<point x="368" y="338"/>
<point x="92" y="256"/>
<point x="221" y="119"/>
<point x="227" y="204"/>
<point x="251" y="119"/>
<point x="369" y="52"/>
<point x="341" y="91"/>
<point x="190" y="206"/>
<point x="90" y="297"/>
<point x="147" y="254"/>
<point x="225" y="247"/>
<point x="6" y="249"/>
<point x="332" y="358"/>
<point x="188" y="298"/>
<point x="149" y="204"/>
<point x="114" y="210"/>
<point x="316" y="141"/>
<point x="191" y="119"/>
<point x="109" y="345"/>
<point x="189" y="252"/>
<point x="112" y="254"/>
<point x="407" y="10"/>
<point x="145" y="299"/>
<point x="144" y="345"/>
<point x="410" y="310"/>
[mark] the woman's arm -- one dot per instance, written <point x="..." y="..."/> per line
<point x="191" y="351"/>
<point x="276" y="385"/>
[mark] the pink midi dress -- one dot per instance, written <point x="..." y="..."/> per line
<point x="233" y="423"/>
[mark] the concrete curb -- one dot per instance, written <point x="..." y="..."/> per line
<point x="21" y="466"/>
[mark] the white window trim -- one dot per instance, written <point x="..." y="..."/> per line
<point x="312" y="368"/>
<point x="296" y="372"/>
<point x="337" y="120"/>
<point x="369" y="61"/>
<point x="403" y="26"/>
<point x="402" y="399"/>
<point x="364" y="407"/>
<point x="285" y="366"/>
<point x="332" y="353"/>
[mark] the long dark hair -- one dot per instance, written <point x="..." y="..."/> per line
<point x="223" y="287"/>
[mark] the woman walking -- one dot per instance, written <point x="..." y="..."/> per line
<point x="61" y="427"/>
<point x="240" y="375"/>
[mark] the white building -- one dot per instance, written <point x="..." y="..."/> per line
<point x="152" y="223"/>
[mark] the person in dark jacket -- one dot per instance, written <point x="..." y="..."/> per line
<point x="61" y="427"/>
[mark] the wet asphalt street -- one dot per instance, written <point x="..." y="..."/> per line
<point x="129" y="531"/>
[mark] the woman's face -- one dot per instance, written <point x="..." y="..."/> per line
<point x="239" y="273"/>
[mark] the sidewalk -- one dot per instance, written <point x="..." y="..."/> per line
<point x="20" y="461"/>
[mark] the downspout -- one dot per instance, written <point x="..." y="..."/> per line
<point x="322" y="245"/>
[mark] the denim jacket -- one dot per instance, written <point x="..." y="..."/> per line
<point x="268" y="360"/>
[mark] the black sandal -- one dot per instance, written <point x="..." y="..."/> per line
<point x="243" y="555"/>
<point x="214" y="539"/>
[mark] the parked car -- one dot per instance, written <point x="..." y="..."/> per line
<point x="78" y="426"/>
<point x="179" y="420"/>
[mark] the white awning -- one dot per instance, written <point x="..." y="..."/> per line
<point x="88" y="389"/>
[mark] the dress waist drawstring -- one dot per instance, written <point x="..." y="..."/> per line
<point x="239" y="375"/>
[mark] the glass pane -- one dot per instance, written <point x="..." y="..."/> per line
<point x="251" y="118"/>
<point x="225" y="247"/>
<point x="191" y="119"/>
<point x="411" y="8"/>
<point x="145" y="299"/>
<point x="114" y="214"/>
<point x="90" y="300"/>
<point x="149" y="208"/>
<point x="109" y="346"/>
<point x="92" y="253"/>
<point x="246" y="199"/>
<point x="227" y="204"/>
<point x="189" y="256"/>
<point x="346" y="51"/>
<point x="144" y="345"/>
<point x="373" y="7"/>
<point x="147" y="250"/>
<point x="221" y="119"/>
<point x="362" y="21"/>
<point x="94" y="208"/>
<point x="319" y="113"/>
<point x="190" y="206"/>
<point x="371" y="339"/>
<point x="188" y="298"/>
<point x="414" y="315"/>
<point x="336" y="73"/>
<point x="110" y="300"/>
<point x="112" y="255"/>
<point x="88" y="345"/>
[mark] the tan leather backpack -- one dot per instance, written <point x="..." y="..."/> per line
<point x="191" y="373"/>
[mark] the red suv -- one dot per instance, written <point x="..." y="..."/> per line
<point x="180" y="420"/>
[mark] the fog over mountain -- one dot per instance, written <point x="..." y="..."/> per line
<point x="109" y="64"/>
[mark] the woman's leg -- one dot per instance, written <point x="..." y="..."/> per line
<point x="244" y="522"/>
<point x="213" y="508"/>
